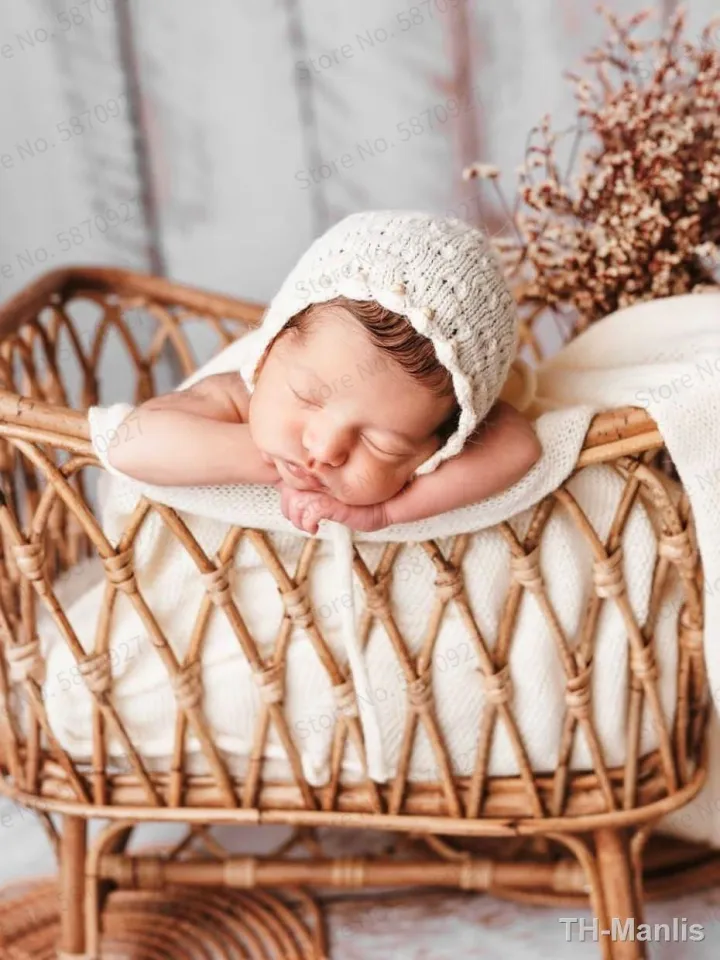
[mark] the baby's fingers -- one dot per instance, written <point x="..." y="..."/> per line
<point x="292" y="506"/>
<point x="315" y="509"/>
<point x="322" y="507"/>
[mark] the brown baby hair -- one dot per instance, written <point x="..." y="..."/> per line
<point x="394" y="336"/>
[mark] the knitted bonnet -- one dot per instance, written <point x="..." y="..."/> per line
<point x="438" y="272"/>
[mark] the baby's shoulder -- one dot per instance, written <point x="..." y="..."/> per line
<point x="227" y="387"/>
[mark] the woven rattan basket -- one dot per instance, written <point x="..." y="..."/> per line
<point x="556" y="837"/>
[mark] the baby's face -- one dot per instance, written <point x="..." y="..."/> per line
<point x="344" y="411"/>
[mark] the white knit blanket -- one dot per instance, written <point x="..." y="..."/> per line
<point x="663" y="355"/>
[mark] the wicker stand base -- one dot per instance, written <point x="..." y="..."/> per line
<point x="152" y="918"/>
<point x="182" y="923"/>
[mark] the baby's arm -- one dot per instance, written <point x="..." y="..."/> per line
<point x="497" y="455"/>
<point x="197" y="436"/>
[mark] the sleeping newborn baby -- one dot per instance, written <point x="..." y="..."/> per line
<point x="380" y="387"/>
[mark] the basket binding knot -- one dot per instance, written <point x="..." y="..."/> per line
<point x="526" y="570"/>
<point x="187" y="685"/>
<point x="297" y="605"/>
<point x="25" y="661"/>
<point x="608" y="574"/>
<point x="120" y="572"/>
<point x="476" y="874"/>
<point x="419" y="692"/>
<point x="498" y="685"/>
<point x="240" y="872"/>
<point x="97" y="673"/>
<point x="690" y="635"/>
<point x="217" y="583"/>
<point x="270" y="683"/>
<point x="643" y="663"/>
<point x="345" y="701"/>
<point x="577" y="693"/>
<point x="348" y="872"/>
<point x="30" y="560"/>
<point x="679" y="549"/>
<point x="377" y="596"/>
<point x="449" y="583"/>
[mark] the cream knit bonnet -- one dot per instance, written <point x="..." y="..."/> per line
<point x="439" y="273"/>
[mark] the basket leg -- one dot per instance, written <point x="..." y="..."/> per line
<point x="620" y="891"/>
<point x="98" y="891"/>
<point x="72" y="887"/>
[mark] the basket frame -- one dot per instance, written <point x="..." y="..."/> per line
<point x="607" y="846"/>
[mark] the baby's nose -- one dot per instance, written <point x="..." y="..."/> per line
<point x="327" y="457"/>
<point x="328" y="447"/>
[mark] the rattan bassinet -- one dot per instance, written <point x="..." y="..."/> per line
<point x="557" y="837"/>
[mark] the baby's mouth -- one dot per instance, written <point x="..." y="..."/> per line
<point x="303" y="475"/>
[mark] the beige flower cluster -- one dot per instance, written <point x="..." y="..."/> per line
<point x="636" y="215"/>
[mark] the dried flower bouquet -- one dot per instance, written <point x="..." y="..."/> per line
<point x="636" y="214"/>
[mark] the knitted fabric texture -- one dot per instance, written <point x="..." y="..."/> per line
<point x="439" y="273"/>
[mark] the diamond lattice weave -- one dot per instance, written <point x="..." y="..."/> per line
<point x="663" y="355"/>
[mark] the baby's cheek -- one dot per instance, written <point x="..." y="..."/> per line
<point x="270" y="430"/>
<point x="400" y="481"/>
<point x="355" y="487"/>
<point x="386" y="483"/>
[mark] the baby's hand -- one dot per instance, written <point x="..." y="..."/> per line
<point x="306" y="508"/>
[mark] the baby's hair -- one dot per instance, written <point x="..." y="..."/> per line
<point x="395" y="336"/>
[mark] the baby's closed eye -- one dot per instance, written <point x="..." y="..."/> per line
<point x="306" y="400"/>
<point x="393" y="455"/>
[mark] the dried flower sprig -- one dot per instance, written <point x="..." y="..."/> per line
<point x="640" y="218"/>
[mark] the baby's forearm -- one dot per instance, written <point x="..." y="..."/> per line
<point x="497" y="456"/>
<point x="172" y="447"/>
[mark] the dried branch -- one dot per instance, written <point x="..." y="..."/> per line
<point x="636" y="215"/>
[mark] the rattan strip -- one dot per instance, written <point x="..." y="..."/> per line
<point x="268" y="677"/>
<point x="498" y="690"/>
<point x="299" y="613"/>
<point x="610" y="583"/>
<point x="607" y="574"/>
<point x="116" y="562"/>
<point x="419" y="692"/>
<point x="425" y="809"/>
